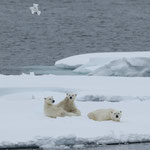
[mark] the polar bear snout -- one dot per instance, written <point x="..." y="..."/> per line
<point x="71" y="96"/>
<point x="49" y="100"/>
<point x="116" y="115"/>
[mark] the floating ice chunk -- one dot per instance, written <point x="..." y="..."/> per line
<point x="96" y="58"/>
<point x="132" y="67"/>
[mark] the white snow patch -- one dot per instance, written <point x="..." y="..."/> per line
<point x="23" y="120"/>
<point x="109" y="64"/>
<point x="77" y="60"/>
<point x="82" y="85"/>
<point x="139" y="66"/>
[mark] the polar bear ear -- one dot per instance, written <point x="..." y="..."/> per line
<point x="120" y="111"/>
<point x="67" y="94"/>
<point x="44" y="98"/>
<point x="111" y="112"/>
<point x="75" y="94"/>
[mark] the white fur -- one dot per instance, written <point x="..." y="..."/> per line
<point x="105" y="114"/>
<point x="68" y="104"/>
<point x="53" y="111"/>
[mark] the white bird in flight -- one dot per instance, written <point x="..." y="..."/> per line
<point x="35" y="9"/>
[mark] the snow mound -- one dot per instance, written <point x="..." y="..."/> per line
<point x="93" y="64"/>
<point x="132" y="67"/>
<point x="74" y="61"/>
<point x="78" y="60"/>
<point x="109" y="64"/>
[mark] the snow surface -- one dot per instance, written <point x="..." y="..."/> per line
<point x="109" y="64"/>
<point x="23" y="120"/>
<point x="139" y="66"/>
<point x="83" y="85"/>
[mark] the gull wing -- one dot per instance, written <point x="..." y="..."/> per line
<point x="32" y="10"/>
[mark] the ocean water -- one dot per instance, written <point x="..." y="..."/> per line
<point x="37" y="70"/>
<point x="69" y="27"/>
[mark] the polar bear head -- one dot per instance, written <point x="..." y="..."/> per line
<point x="115" y="115"/>
<point x="49" y="100"/>
<point x="71" y="97"/>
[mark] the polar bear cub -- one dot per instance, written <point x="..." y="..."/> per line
<point x="53" y="111"/>
<point x="105" y="114"/>
<point x="68" y="104"/>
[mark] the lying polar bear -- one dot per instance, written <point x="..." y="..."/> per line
<point x="105" y="114"/>
<point x="68" y="104"/>
<point x="53" y="111"/>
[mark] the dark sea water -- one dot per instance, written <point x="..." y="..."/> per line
<point x="69" y="27"/>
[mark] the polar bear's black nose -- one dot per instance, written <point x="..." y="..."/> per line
<point x="117" y="116"/>
<point x="70" y="97"/>
<point x="53" y="101"/>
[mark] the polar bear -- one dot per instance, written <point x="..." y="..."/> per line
<point x="51" y="110"/>
<point x="105" y="114"/>
<point x="68" y="104"/>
